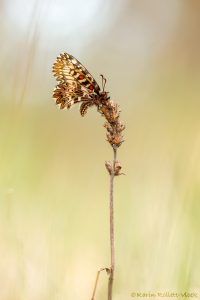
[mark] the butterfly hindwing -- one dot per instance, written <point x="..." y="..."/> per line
<point x="84" y="107"/>
<point x="67" y="94"/>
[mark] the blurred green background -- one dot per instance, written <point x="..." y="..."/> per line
<point x="54" y="230"/>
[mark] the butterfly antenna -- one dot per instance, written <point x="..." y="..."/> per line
<point x="104" y="80"/>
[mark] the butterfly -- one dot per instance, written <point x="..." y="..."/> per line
<point x="76" y="85"/>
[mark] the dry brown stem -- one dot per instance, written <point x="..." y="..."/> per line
<point x="76" y="85"/>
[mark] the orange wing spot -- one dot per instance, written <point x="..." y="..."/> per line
<point x="81" y="77"/>
<point x="91" y="87"/>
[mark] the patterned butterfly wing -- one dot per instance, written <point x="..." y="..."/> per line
<point x="76" y="84"/>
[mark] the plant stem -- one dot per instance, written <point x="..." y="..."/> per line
<point x="96" y="282"/>
<point x="112" y="233"/>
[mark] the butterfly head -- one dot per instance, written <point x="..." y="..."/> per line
<point x="105" y="96"/>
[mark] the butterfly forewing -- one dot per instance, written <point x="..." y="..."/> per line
<point x="76" y="84"/>
<point x="68" y="68"/>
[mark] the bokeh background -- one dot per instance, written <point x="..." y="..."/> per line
<point x="54" y="230"/>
